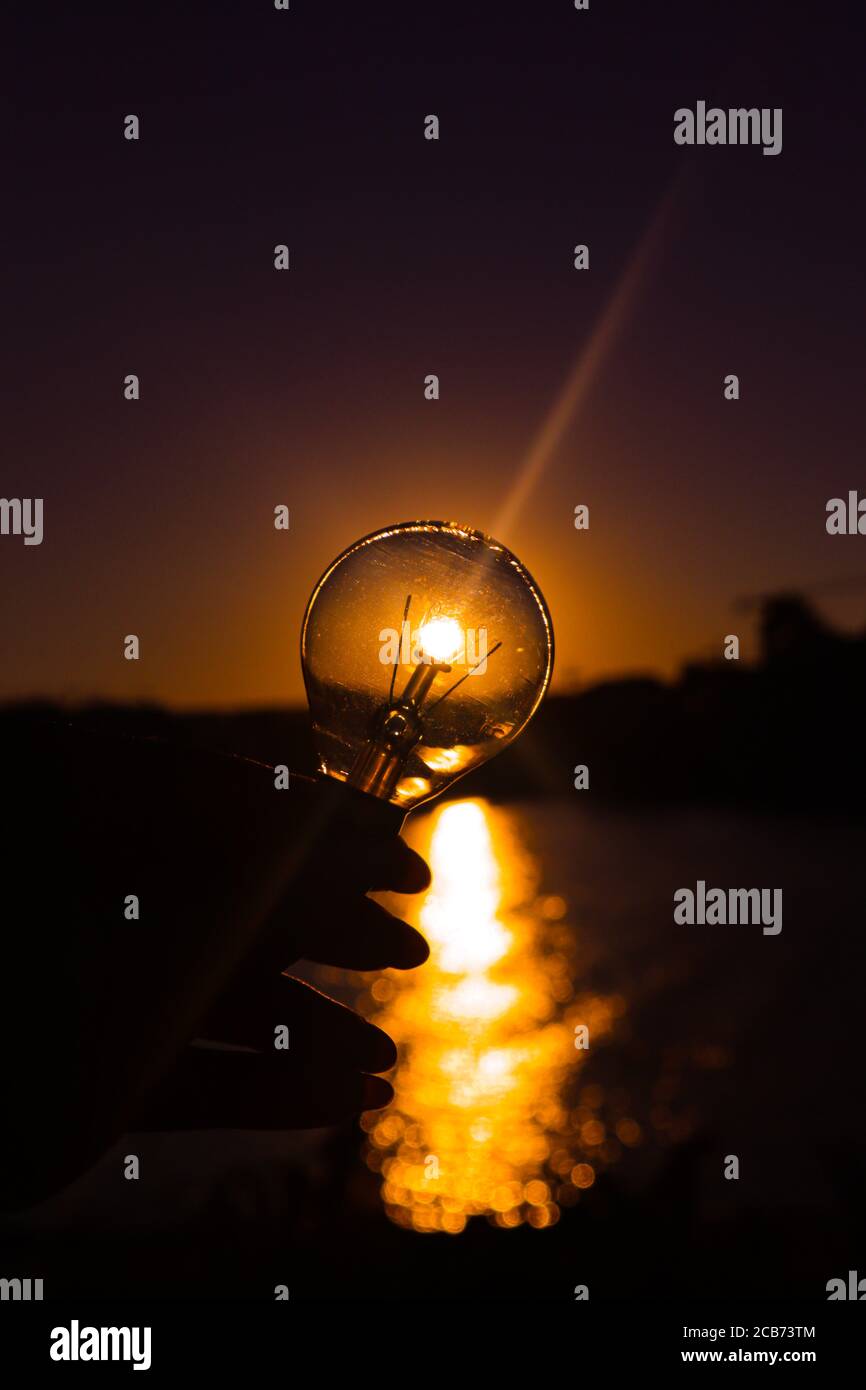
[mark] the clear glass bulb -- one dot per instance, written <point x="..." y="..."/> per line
<point x="426" y="648"/>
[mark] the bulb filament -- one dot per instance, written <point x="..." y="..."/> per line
<point x="398" y="725"/>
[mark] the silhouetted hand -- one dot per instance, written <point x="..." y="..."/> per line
<point x="328" y="1071"/>
<point x="154" y="896"/>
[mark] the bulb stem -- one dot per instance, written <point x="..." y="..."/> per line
<point x="398" y="728"/>
<point x="419" y="683"/>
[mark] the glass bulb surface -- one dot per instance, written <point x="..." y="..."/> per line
<point x="426" y="648"/>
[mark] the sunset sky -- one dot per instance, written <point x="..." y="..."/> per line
<point x="411" y="257"/>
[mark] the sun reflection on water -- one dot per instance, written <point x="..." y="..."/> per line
<point x="482" y="1123"/>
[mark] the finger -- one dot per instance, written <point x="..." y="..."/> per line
<point x="370" y="938"/>
<point x="367" y="863"/>
<point x="211" y="1089"/>
<point x="351" y="932"/>
<point x="259" y="1013"/>
<point x="369" y="855"/>
<point x="390" y="865"/>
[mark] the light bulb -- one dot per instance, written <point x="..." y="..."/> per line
<point x="426" y="648"/>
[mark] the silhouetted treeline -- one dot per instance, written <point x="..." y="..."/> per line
<point x="785" y="733"/>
